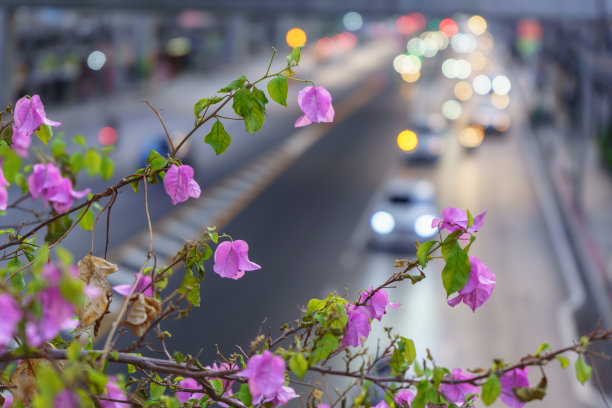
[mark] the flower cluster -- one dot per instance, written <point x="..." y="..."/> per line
<point x="28" y="116"/>
<point x="266" y="375"/>
<point x="373" y="305"/>
<point x="47" y="182"/>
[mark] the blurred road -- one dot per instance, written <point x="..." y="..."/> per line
<point x="309" y="227"/>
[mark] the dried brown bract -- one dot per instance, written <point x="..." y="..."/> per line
<point x="142" y="312"/>
<point x="93" y="271"/>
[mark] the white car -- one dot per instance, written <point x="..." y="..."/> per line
<point x="403" y="214"/>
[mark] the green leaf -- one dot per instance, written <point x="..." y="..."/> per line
<point x="76" y="162"/>
<point x="298" y="365"/>
<point x="470" y="218"/>
<point x="87" y="221"/>
<point x="564" y="361"/>
<point x="277" y="88"/>
<point x="260" y="98"/>
<point x="527" y="394"/>
<point x="235" y="84"/>
<point x="295" y="55"/>
<point x="41" y="258"/>
<point x="583" y="370"/>
<point x="58" y="146"/>
<point x="248" y="106"/>
<point x="107" y="168"/>
<point x="156" y="160"/>
<point x="190" y="286"/>
<point x="11" y="163"/>
<point x="73" y="351"/>
<point x="491" y="390"/>
<point x="92" y="162"/>
<point x="324" y="346"/>
<point x="244" y="395"/>
<point x="449" y="243"/>
<point x="314" y="305"/>
<point x="218" y="138"/>
<point x="156" y="391"/>
<point x="403" y="355"/>
<point x="422" y="252"/>
<point x="44" y="133"/>
<point x="204" y="102"/>
<point x="136" y="183"/>
<point x="456" y="271"/>
<point x="541" y="348"/>
<point x="17" y="280"/>
<point x="79" y="139"/>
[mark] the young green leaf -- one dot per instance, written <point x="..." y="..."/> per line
<point x="295" y="55"/>
<point x="11" y="163"/>
<point x="58" y="146"/>
<point x="79" y="139"/>
<point x="218" y="138"/>
<point x="235" y="84"/>
<point x="107" y="167"/>
<point x="92" y="162"/>
<point x="298" y="365"/>
<point x="314" y="305"/>
<point x="583" y="370"/>
<point x="88" y="219"/>
<point x="456" y="271"/>
<point x="324" y="346"/>
<point x="564" y="361"/>
<point x="76" y="161"/>
<point x="277" y="88"/>
<point x="422" y="252"/>
<point x="156" y="160"/>
<point x="44" y="133"/>
<point x="491" y="390"/>
<point x="204" y="102"/>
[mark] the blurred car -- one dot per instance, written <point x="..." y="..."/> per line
<point x="492" y="120"/>
<point x="402" y="214"/>
<point x="421" y="144"/>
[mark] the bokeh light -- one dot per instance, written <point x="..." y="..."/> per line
<point x="178" y="47"/>
<point x="500" y="101"/>
<point x="107" y="136"/>
<point x="481" y="84"/>
<point x="407" y="140"/>
<point x="463" y="91"/>
<point x="471" y="136"/>
<point x="296" y="37"/>
<point x="352" y="21"/>
<point x="477" y="60"/>
<point x="407" y="64"/>
<point x="345" y="41"/>
<point x="451" y="109"/>
<point x="415" y="46"/>
<point x="96" y="60"/>
<point x="448" y="26"/>
<point x="463" y="43"/>
<point x="477" y="25"/>
<point x="410" y="78"/>
<point x="325" y="46"/>
<point x="501" y="85"/>
<point x="501" y="122"/>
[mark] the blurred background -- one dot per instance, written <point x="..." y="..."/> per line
<point x="472" y="104"/>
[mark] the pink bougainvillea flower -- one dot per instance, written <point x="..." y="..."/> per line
<point x="381" y="404"/>
<point x="184" y="396"/>
<point x="232" y="259"/>
<point x="57" y="314"/>
<point x="141" y="281"/>
<point x="113" y="391"/>
<point x="227" y="384"/>
<point x="67" y="399"/>
<point x="404" y="397"/>
<point x="8" y="400"/>
<point x="377" y="304"/>
<point x="180" y="185"/>
<point x="454" y="219"/>
<point x="282" y="397"/>
<point x="47" y="182"/>
<point x="357" y="327"/>
<point x="323" y="406"/>
<point x="478" y="288"/>
<point x="10" y="315"/>
<point x="3" y="191"/>
<point x="29" y="114"/>
<point x="456" y="393"/>
<point x="21" y="142"/>
<point x="513" y="379"/>
<point x="266" y="375"/>
<point x="316" y="103"/>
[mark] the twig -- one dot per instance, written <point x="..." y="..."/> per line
<point x="163" y="124"/>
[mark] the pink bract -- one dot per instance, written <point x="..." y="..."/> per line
<point x="29" y="114"/>
<point x="478" y="288"/>
<point x="10" y="315"/>
<point x="513" y="379"/>
<point x="21" y="142"/>
<point x="232" y="259"/>
<point x="47" y="182"/>
<point x="3" y="191"/>
<point x="454" y="219"/>
<point x="57" y="315"/>
<point x="456" y="393"/>
<point x="141" y="281"/>
<point x="113" y="391"/>
<point x="404" y="397"/>
<point x="184" y="396"/>
<point x="381" y="404"/>
<point x="180" y="185"/>
<point x="316" y="103"/>
<point x="377" y="303"/>
<point x="266" y="374"/>
<point x="357" y="327"/>
<point x="67" y="399"/>
<point x="282" y="397"/>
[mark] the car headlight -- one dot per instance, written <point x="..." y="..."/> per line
<point x="382" y="222"/>
<point x="422" y="226"/>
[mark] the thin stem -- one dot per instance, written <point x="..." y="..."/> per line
<point x="163" y="124"/>
<point x="271" y="59"/>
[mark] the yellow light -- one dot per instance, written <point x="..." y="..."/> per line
<point x="407" y="140"/>
<point x="471" y="136"/>
<point x="500" y="101"/>
<point x="477" y="24"/>
<point x="463" y="91"/>
<point x="477" y="60"/>
<point x="411" y="77"/>
<point x="501" y="122"/>
<point x="296" y="37"/>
